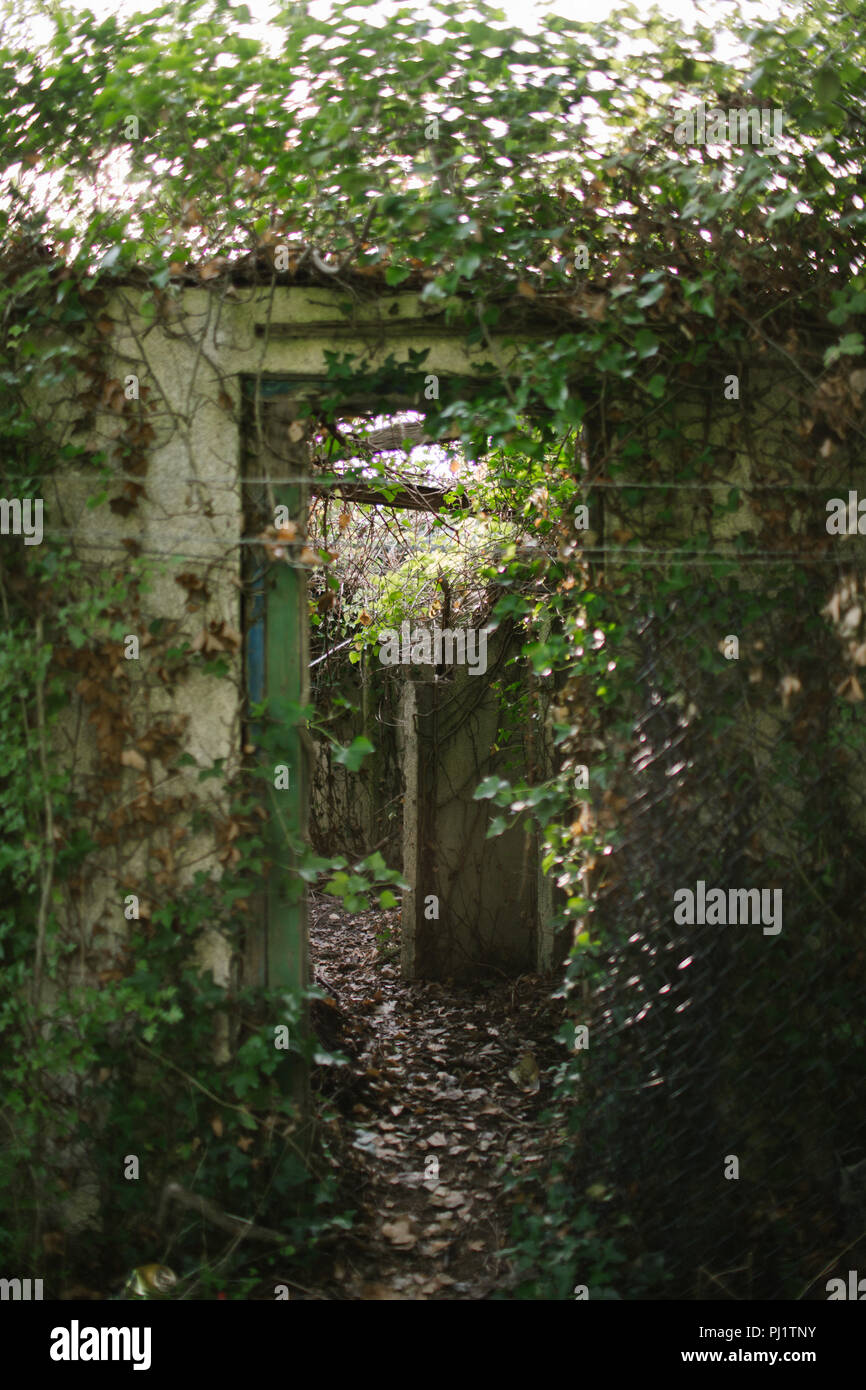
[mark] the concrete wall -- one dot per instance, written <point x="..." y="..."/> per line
<point x="472" y="904"/>
<point x="176" y="453"/>
<point x="189" y="362"/>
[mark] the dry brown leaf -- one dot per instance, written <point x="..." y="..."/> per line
<point x="852" y="619"/>
<point x="130" y="757"/>
<point x="594" y="306"/>
<point x="399" y="1233"/>
<point x="832" y="609"/>
<point x="443" y="1198"/>
<point x="439" y="1281"/>
<point x="850" y="690"/>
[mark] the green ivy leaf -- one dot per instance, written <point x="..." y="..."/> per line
<point x="353" y="755"/>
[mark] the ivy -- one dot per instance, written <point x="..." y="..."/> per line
<point x="467" y="168"/>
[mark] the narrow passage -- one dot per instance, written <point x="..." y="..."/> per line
<point x="442" y="1095"/>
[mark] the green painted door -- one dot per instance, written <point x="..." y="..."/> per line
<point x="276" y="647"/>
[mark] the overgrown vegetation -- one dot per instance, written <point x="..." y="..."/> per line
<point x="173" y="151"/>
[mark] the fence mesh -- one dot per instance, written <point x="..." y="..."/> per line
<point x="732" y="1039"/>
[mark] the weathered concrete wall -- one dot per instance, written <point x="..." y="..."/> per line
<point x="472" y="904"/>
<point x="552" y="942"/>
<point x="174" y="451"/>
<point x="189" y="365"/>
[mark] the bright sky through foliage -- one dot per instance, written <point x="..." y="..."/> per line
<point x="517" y="12"/>
<point x="520" y="13"/>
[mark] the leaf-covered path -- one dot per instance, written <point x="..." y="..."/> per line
<point x="443" y="1095"/>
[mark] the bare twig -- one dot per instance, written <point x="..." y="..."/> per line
<point x="235" y="1225"/>
<point x="48" y="868"/>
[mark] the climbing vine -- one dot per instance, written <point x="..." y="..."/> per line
<point x="177" y="154"/>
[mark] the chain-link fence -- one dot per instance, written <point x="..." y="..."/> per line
<point x="721" y="1093"/>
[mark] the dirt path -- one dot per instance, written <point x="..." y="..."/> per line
<point x="430" y="1114"/>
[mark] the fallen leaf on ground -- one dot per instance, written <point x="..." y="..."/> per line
<point x="132" y="758"/>
<point x="525" y="1074"/>
<point x="399" y="1233"/>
